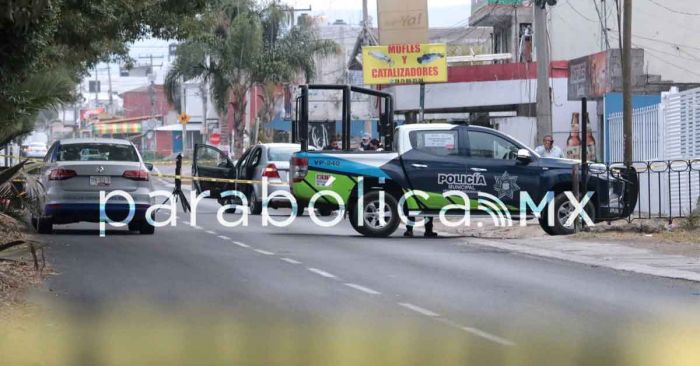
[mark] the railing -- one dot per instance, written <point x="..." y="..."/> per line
<point x="667" y="189"/>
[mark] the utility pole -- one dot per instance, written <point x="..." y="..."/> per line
<point x="97" y="87"/>
<point x="627" y="82"/>
<point x="109" y="81"/>
<point x="294" y="11"/>
<point x="365" y="14"/>
<point x="544" y="101"/>
<point x="204" y="91"/>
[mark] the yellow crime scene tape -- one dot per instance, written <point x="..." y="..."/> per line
<point x="167" y="162"/>
<point x="20" y="157"/>
<point x="154" y="162"/>
<point x="181" y="177"/>
<point x="215" y="180"/>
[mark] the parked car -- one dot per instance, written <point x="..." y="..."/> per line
<point x="262" y="160"/>
<point x="75" y="172"/>
<point x="34" y="150"/>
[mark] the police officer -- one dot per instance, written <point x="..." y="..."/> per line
<point x="429" y="233"/>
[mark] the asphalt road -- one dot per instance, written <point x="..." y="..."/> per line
<point x="304" y="273"/>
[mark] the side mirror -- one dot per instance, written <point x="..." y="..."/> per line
<point x="524" y="155"/>
<point x="149" y="166"/>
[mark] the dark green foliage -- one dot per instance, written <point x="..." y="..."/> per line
<point x="50" y="44"/>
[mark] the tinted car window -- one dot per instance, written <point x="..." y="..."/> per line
<point x="490" y="146"/>
<point x="51" y="152"/>
<point x="244" y="158"/>
<point x="442" y="143"/>
<point x="255" y="158"/>
<point x="209" y="157"/>
<point x="96" y="152"/>
<point x="281" y="153"/>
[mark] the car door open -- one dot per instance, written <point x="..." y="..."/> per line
<point x="210" y="162"/>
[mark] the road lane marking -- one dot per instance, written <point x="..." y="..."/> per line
<point x="210" y="232"/>
<point x="321" y="273"/>
<point x="489" y="336"/>
<point x="418" y="309"/>
<point x="366" y="290"/>
<point x="290" y="260"/>
<point x="478" y="332"/>
<point x="198" y="227"/>
<point x="265" y="252"/>
<point x="224" y="237"/>
<point x="242" y="245"/>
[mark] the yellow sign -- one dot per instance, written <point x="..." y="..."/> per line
<point x="405" y="64"/>
<point x="183" y="118"/>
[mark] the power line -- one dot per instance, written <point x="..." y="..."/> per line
<point x="693" y="57"/>
<point x="579" y="13"/>
<point x="673" y="10"/>
<point x="603" y="26"/>
<point x="663" y="60"/>
<point x="662" y="41"/>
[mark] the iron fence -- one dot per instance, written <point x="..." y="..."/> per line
<point x="667" y="189"/>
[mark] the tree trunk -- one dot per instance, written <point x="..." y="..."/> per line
<point x="239" y="99"/>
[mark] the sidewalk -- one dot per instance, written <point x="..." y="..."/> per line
<point x="636" y="252"/>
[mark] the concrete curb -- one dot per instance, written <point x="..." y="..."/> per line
<point x="612" y="263"/>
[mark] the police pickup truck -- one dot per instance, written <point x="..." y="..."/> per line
<point x="430" y="167"/>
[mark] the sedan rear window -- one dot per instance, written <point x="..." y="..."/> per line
<point x="96" y="152"/>
<point x="281" y="153"/>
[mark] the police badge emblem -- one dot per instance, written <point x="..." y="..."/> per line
<point x="506" y="185"/>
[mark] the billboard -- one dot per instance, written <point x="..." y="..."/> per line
<point x="402" y="21"/>
<point x="404" y="64"/>
<point x="598" y="74"/>
<point x="86" y="113"/>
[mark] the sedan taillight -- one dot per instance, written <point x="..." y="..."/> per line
<point x="62" y="174"/>
<point x="271" y="171"/>
<point x="136" y="175"/>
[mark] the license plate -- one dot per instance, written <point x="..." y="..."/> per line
<point x="100" y="180"/>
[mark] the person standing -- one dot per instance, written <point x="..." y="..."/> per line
<point x="365" y="143"/>
<point x="429" y="233"/>
<point x="548" y="149"/>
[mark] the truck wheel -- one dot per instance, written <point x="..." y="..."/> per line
<point x="44" y="226"/>
<point x="545" y="226"/>
<point x="134" y="226"/>
<point x="562" y="210"/>
<point x="146" y="229"/>
<point x="372" y="225"/>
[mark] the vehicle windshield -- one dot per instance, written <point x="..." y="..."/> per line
<point x="281" y="153"/>
<point x="97" y="152"/>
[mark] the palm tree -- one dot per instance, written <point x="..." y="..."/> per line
<point x="231" y="42"/>
<point x="286" y="54"/>
<point x="21" y="103"/>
